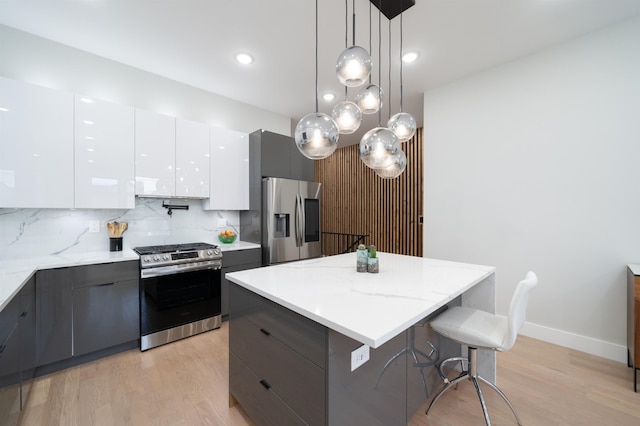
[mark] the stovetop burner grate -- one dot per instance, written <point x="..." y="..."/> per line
<point x="173" y="248"/>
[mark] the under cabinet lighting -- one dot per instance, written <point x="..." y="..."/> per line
<point x="89" y="122"/>
<point x="4" y="109"/>
<point x="86" y="100"/>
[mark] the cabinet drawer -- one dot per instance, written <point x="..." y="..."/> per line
<point x="242" y="257"/>
<point x="104" y="273"/>
<point x="299" y="333"/>
<point x="299" y="382"/>
<point x="263" y="406"/>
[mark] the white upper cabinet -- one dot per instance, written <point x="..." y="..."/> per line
<point x="192" y="159"/>
<point x="104" y="150"/>
<point x="155" y="154"/>
<point x="229" y="170"/>
<point x="36" y="146"/>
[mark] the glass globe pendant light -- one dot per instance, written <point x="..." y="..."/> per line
<point x="353" y="66"/>
<point x="347" y="116"/>
<point x="316" y="134"/>
<point x="398" y="164"/>
<point x="378" y="147"/>
<point x="402" y="123"/>
<point x="369" y="99"/>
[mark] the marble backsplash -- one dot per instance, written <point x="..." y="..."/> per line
<point x="37" y="232"/>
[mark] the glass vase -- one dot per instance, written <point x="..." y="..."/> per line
<point x="372" y="265"/>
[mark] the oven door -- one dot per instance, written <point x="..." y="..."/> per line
<point x="179" y="298"/>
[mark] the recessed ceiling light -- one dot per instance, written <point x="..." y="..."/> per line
<point x="328" y="97"/>
<point x="409" y="57"/>
<point x="244" y="58"/>
<point x="86" y="100"/>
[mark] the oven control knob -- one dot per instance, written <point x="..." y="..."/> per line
<point x="165" y="257"/>
<point x="216" y="251"/>
<point x="146" y="258"/>
<point x="156" y="258"/>
<point x="209" y="253"/>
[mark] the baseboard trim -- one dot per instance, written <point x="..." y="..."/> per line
<point x="566" y="339"/>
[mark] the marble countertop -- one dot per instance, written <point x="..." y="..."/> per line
<point x="370" y="308"/>
<point x="14" y="273"/>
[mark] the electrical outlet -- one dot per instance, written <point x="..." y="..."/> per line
<point x="222" y="222"/>
<point x="359" y="356"/>
<point x="94" y="226"/>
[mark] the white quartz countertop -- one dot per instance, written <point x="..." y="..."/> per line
<point x="370" y="308"/>
<point x="14" y="273"/>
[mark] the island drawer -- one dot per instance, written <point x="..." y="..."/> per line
<point x="299" y="333"/>
<point x="283" y="369"/>
<point x="262" y="405"/>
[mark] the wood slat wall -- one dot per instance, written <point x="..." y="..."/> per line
<point x="356" y="201"/>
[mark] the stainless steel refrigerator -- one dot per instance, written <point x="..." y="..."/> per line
<point x="290" y="220"/>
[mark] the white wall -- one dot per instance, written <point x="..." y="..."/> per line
<point x="43" y="62"/>
<point x="533" y="165"/>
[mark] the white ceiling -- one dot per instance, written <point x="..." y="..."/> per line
<point x="194" y="41"/>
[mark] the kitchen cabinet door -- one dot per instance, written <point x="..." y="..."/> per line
<point x="105" y="315"/>
<point x="53" y="316"/>
<point x="155" y="154"/>
<point x="104" y="155"/>
<point x="192" y="159"/>
<point x="36" y="146"/>
<point x="229" y="188"/>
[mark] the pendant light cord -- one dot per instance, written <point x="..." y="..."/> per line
<point x="401" y="28"/>
<point x="379" y="60"/>
<point x="316" y="56"/>
<point x="389" y="91"/>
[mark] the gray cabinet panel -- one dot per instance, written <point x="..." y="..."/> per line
<point x="275" y="154"/>
<point x="282" y="368"/>
<point x="53" y="316"/>
<point x="17" y="353"/>
<point x="104" y="273"/>
<point x="27" y="337"/>
<point x="299" y="333"/>
<point x="105" y="315"/>
<point x="263" y="406"/>
<point x="10" y="377"/>
<point x="233" y="261"/>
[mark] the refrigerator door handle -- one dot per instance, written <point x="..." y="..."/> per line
<point x="303" y="225"/>
<point x="298" y="227"/>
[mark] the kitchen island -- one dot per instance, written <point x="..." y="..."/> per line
<point x="315" y="342"/>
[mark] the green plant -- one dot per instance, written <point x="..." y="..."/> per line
<point x="372" y="251"/>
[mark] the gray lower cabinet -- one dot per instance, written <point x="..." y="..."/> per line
<point x="233" y="261"/>
<point x="85" y="309"/>
<point x="54" y="314"/>
<point x="17" y="354"/>
<point x="272" y="351"/>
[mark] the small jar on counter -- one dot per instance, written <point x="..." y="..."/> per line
<point x="362" y="258"/>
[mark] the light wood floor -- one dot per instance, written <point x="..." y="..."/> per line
<point x="186" y="383"/>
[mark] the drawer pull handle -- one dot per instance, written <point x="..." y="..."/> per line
<point x="265" y="384"/>
<point x="265" y="332"/>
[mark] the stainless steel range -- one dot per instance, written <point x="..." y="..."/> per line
<point x="179" y="291"/>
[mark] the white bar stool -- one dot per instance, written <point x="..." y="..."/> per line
<point x="480" y="329"/>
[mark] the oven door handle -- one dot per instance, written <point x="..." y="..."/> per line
<point x="178" y="269"/>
